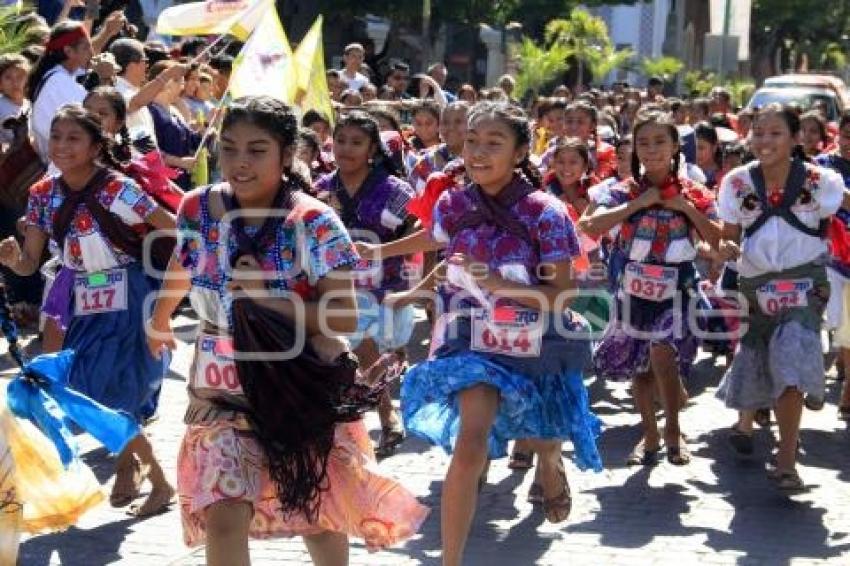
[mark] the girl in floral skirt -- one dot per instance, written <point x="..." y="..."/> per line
<point x="267" y="451"/>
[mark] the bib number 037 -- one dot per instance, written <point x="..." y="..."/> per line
<point x="650" y="282"/>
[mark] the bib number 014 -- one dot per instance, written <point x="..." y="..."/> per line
<point x="508" y="331"/>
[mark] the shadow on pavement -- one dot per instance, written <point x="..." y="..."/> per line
<point x="767" y="526"/>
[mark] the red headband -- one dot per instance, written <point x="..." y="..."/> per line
<point x="67" y="39"/>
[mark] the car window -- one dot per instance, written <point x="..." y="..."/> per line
<point x="805" y="99"/>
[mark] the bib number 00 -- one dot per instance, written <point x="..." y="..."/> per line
<point x="215" y="367"/>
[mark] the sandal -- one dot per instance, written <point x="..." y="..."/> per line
<point x="813" y="403"/>
<point x="741" y="442"/>
<point x="844" y="413"/>
<point x="158" y="502"/>
<point x="128" y="484"/>
<point x="482" y="479"/>
<point x="643" y="456"/>
<point x="787" y="480"/>
<point x="557" y="509"/>
<point x="521" y="460"/>
<point x="678" y="455"/>
<point x="535" y="494"/>
<point x="391" y="438"/>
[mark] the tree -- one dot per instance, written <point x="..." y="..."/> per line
<point x="665" y="67"/>
<point x="609" y="59"/>
<point x="539" y="65"/>
<point x="13" y="35"/>
<point x="802" y="26"/>
<point x="587" y="38"/>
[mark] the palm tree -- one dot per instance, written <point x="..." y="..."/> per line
<point x="607" y="59"/>
<point x="13" y="34"/>
<point x="585" y="35"/>
<point x="664" y="67"/>
<point x="539" y="65"/>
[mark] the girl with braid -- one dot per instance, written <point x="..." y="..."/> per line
<point x="269" y="449"/>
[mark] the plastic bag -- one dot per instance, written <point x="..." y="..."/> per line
<point x="41" y="394"/>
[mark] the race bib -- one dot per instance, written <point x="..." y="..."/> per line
<point x="651" y="282"/>
<point x="214" y="366"/>
<point x="782" y="294"/>
<point x="508" y="331"/>
<point x="100" y="292"/>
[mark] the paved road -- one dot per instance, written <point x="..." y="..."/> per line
<point x="718" y="510"/>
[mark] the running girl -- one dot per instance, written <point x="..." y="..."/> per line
<point x="470" y="398"/>
<point x="265" y="457"/>
<point x="90" y="211"/>
<point x="661" y="217"/>
<point x="774" y="214"/>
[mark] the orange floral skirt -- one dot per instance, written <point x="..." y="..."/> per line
<point x="223" y="462"/>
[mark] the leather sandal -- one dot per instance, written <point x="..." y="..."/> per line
<point x="391" y="438"/>
<point x="557" y="509"/>
<point x="521" y="460"/>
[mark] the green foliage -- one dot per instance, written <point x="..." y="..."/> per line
<point x="814" y="27"/>
<point x="13" y="36"/>
<point x="589" y="43"/>
<point x="700" y="83"/>
<point x="608" y="59"/>
<point x="539" y="65"/>
<point x="832" y="57"/>
<point x="664" y="67"/>
<point x="741" y="90"/>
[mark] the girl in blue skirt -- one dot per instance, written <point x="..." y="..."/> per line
<point x="96" y="217"/>
<point x="499" y="373"/>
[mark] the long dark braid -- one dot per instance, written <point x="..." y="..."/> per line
<point x="292" y="404"/>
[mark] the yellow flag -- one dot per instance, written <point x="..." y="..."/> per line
<point x="201" y="172"/>
<point x="214" y="17"/>
<point x="312" y="85"/>
<point x="264" y="66"/>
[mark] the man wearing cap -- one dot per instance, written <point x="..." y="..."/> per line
<point x="131" y="83"/>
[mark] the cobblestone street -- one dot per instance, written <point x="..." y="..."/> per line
<point x="717" y="510"/>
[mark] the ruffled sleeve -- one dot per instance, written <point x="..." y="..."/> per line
<point x="555" y="234"/>
<point x="38" y="206"/>
<point x="328" y="245"/>
<point x="189" y="238"/>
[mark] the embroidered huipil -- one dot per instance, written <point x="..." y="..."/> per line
<point x="656" y="234"/>
<point x="377" y="210"/>
<point x="777" y="246"/>
<point x="551" y="238"/>
<point x="304" y="250"/>
<point x="86" y="247"/>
